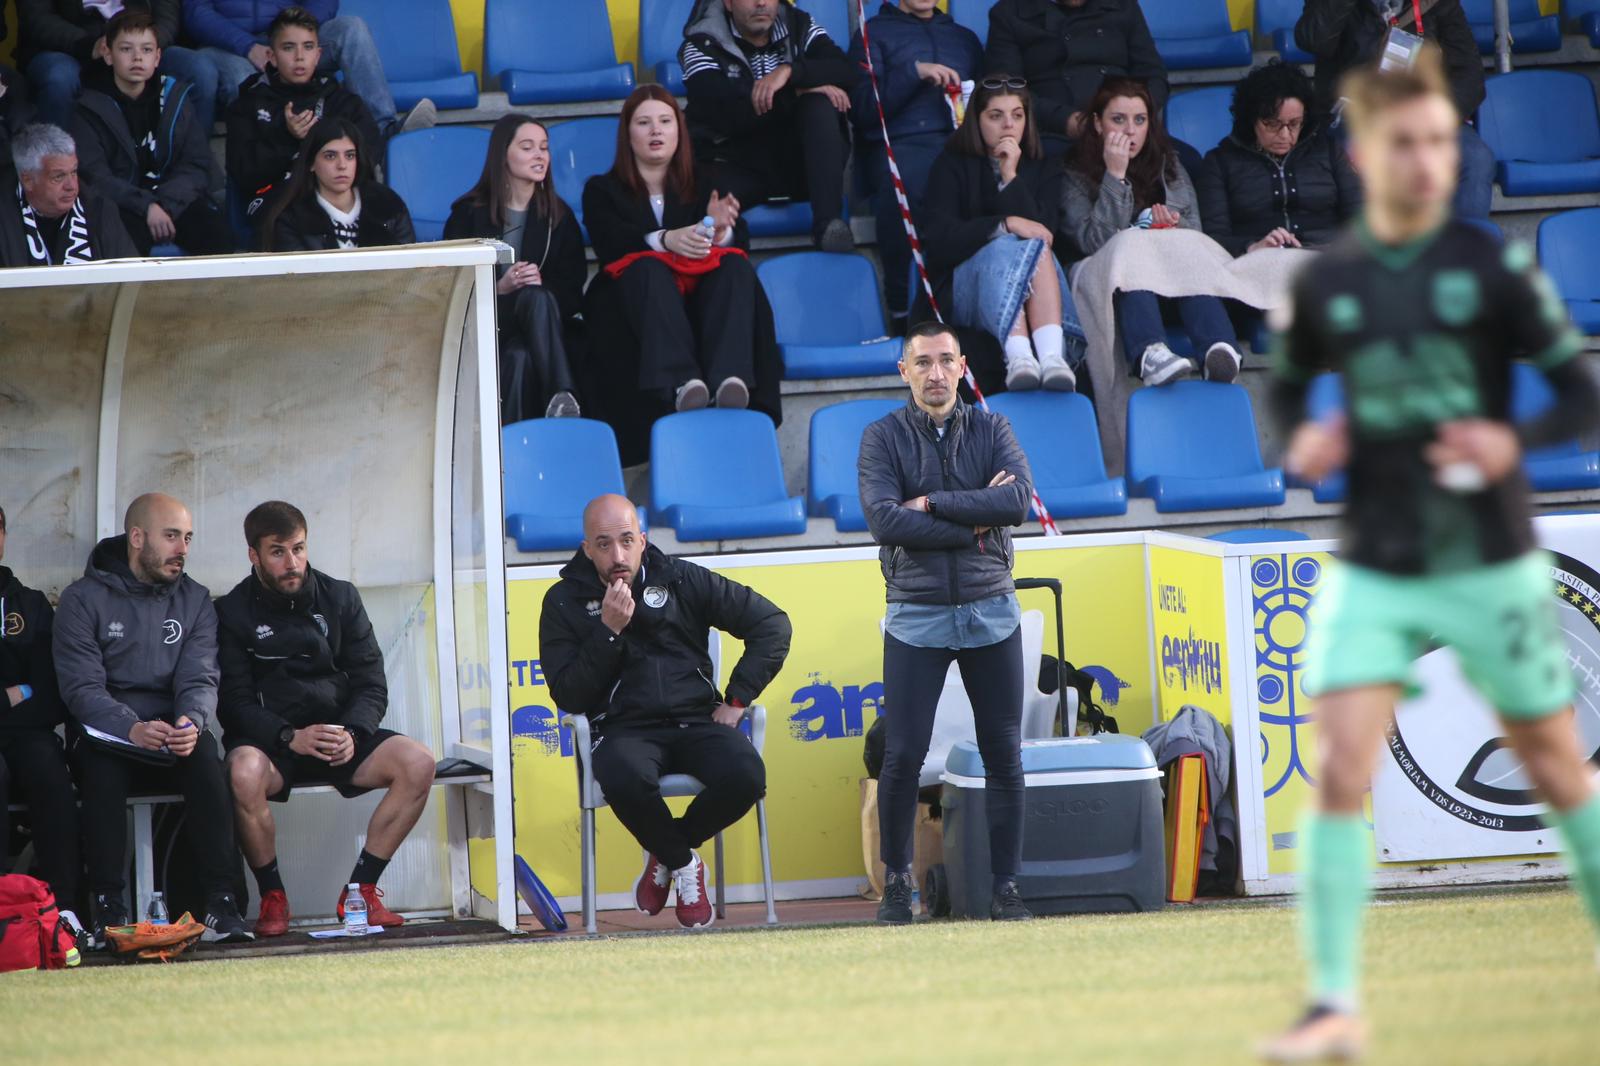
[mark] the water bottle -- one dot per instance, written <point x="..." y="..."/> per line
<point x="355" y="911"/>
<point x="709" y="224"/>
<point x="156" y="913"/>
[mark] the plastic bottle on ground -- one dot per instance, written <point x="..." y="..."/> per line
<point x="355" y="911"/>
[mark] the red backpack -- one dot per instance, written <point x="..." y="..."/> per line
<point x="32" y="934"/>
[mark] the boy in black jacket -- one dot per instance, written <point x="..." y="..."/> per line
<point x="277" y="108"/>
<point x="301" y="699"/>
<point x="31" y="754"/>
<point x="768" y="91"/>
<point x="140" y="143"/>
<point x="623" y="637"/>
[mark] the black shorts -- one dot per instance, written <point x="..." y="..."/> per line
<point x="310" y="770"/>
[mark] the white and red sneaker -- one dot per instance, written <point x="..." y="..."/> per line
<point x="694" y="903"/>
<point x="650" y="892"/>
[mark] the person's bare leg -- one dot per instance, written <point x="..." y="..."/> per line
<point x="1043" y="306"/>
<point x="404" y="769"/>
<point x="254" y="778"/>
<point x="1564" y="777"/>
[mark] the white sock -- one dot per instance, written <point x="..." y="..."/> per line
<point x="1050" y="343"/>
<point x="1017" y="347"/>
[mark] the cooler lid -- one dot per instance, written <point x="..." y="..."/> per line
<point x="1062" y="755"/>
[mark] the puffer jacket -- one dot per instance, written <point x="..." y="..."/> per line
<point x="26" y="621"/>
<point x="940" y="558"/>
<point x="1245" y="193"/>
<point x="900" y="41"/>
<point x="235" y="25"/>
<point x="1343" y="34"/>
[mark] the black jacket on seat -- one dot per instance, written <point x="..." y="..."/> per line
<point x="1245" y="194"/>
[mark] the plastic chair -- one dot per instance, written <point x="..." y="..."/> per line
<point x="1585" y="15"/>
<point x="661" y="25"/>
<point x="1275" y="21"/>
<point x="828" y="318"/>
<point x="1200" y="117"/>
<point x="832" y="490"/>
<point x="717" y="475"/>
<point x="1192" y="446"/>
<point x="973" y="14"/>
<point x="1257" y="535"/>
<point x="1568" y="465"/>
<point x="591" y="799"/>
<point x="1531" y="31"/>
<point x="430" y="169"/>
<point x="1488" y="226"/>
<point x="1196" y="33"/>
<point x="1324" y="398"/>
<point x="833" y="16"/>
<point x="1569" y="250"/>
<point x="553" y="51"/>
<point x="1544" y="128"/>
<point x="552" y="468"/>
<point x="417" y="42"/>
<point x="579" y="149"/>
<point x="1060" y="437"/>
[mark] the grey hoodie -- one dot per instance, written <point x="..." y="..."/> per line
<point x="128" y="652"/>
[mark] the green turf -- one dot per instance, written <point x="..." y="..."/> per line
<point x="1490" y="978"/>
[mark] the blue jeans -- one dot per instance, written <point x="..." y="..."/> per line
<point x="1140" y="321"/>
<point x="1475" y="193"/>
<point x="990" y="288"/>
<point x="54" y="77"/>
<point x="915" y="156"/>
<point x="347" y="45"/>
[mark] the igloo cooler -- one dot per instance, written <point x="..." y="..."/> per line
<point x="1091" y="837"/>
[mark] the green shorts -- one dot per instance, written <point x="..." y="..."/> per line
<point x="1368" y="627"/>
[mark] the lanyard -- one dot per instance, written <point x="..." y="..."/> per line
<point x="1416" y="13"/>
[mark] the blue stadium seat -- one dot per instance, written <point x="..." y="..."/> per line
<point x="1275" y="20"/>
<point x="828" y="318"/>
<point x="580" y="149"/>
<point x="660" y="34"/>
<point x="973" y="14"/>
<point x="1586" y="15"/>
<point x="166" y="251"/>
<point x="553" y="51"/>
<point x="417" y="42"/>
<point x="430" y="169"/>
<point x="716" y="475"/>
<point x="1530" y="30"/>
<point x="1192" y="446"/>
<point x="553" y="467"/>
<point x="1569" y="251"/>
<point x="1200" y="117"/>
<point x="1325" y="398"/>
<point x="1568" y="465"/>
<point x="834" y="17"/>
<point x="1196" y="33"/>
<point x="835" y="445"/>
<point x="1544" y="128"/>
<point x="1488" y="226"/>
<point x="1060" y="437"/>
<point x="1257" y="535"/>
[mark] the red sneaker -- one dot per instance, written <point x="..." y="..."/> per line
<point x="377" y="913"/>
<point x="274" y="917"/>
<point x="650" y="892"/>
<point x="694" y="904"/>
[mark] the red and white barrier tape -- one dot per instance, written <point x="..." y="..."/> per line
<point x="1045" y="520"/>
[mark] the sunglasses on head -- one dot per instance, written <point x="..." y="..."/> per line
<point x="1004" y="83"/>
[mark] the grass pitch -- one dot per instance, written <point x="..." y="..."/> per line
<point x="1493" y="978"/>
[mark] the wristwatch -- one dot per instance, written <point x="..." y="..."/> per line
<point x="930" y="505"/>
<point x="286" y="736"/>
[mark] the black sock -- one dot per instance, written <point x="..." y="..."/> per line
<point x="368" y="868"/>
<point x="1002" y="880"/>
<point x="267" y="877"/>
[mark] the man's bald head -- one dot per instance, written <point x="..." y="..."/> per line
<point x="611" y="538"/>
<point x="159" y="530"/>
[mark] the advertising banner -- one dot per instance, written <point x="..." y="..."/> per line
<point x="1189" y="627"/>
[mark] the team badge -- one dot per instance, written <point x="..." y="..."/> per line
<point x="1455" y="296"/>
<point x="322" y="623"/>
<point x="655" y="596"/>
<point x="13" y="624"/>
<point x="173" y="630"/>
<point x="114" y="631"/>
<point x="263" y="632"/>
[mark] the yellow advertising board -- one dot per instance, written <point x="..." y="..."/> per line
<point x="819" y="707"/>
<point x="1189" y="631"/>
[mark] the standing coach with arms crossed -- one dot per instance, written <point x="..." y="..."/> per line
<point x="942" y="483"/>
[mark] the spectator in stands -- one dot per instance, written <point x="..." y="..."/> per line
<point x="303" y="693"/>
<point x="31" y="754"/>
<point x="942" y="484"/>
<point x="1124" y="173"/>
<point x="1279" y="180"/>
<point x="141" y="145"/>
<point x="277" y="108"/>
<point x="136" y="655"/>
<point x="689" y="294"/>
<point x="58" y="38"/>
<point x="541" y="294"/>
<point x="768" y="93"/>
<point x="53" y="217"/>
<point x="991" y="211"/>
<point x="918" y="54"/>
<point x="1342" y="34"/>
<point x="332" y="200"/>
<point x="15" y="107"/>
<point x="241" y="38"/>
<point x="1066" y="49"/>
<point x="623" y="638"/>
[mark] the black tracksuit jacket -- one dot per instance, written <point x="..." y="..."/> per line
<point x="26" y="619"/>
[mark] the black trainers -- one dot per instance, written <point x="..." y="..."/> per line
<point x="1007" y="905"/>
<point x="896" y="906"/>
<point x="105" y="912"/>
<point x="224" y="925"/>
